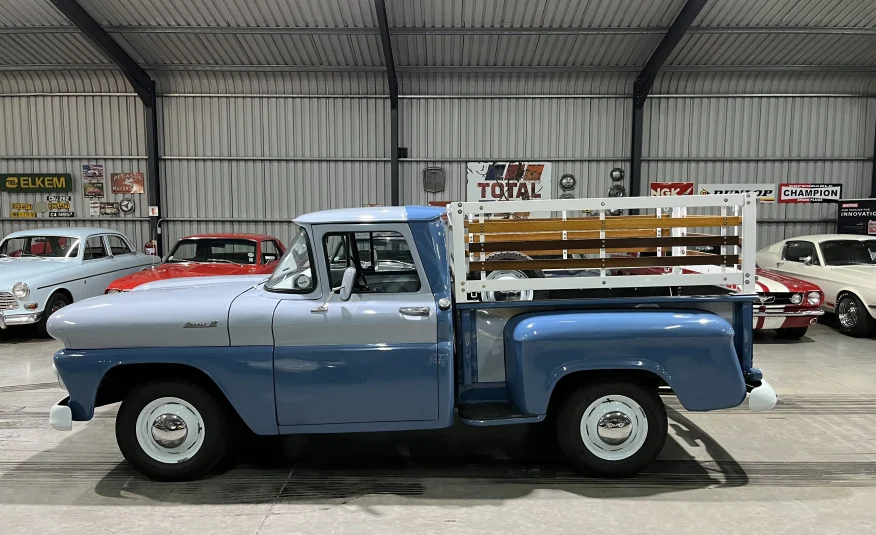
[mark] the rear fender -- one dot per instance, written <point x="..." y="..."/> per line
<point x="692" y="351"/>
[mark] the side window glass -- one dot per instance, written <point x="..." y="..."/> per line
<point x="384" y="260"/>
<point x="118" y="245"/>
<point x="94" y="248"/>
<point x="800" y="251"/>
<point x="270" y="253"/>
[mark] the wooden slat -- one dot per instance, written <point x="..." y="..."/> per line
<point x="614" y="262"/>
<point x="596" y="243"/>
<point x="537" y="236"/>
<point x="528" y="225"/>
<point x="557" y="252"/>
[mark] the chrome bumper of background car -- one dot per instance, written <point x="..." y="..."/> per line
<point x="18" y="319"/>
<point x="779" y="311"/>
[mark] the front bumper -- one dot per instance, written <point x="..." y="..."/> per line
<point x="761" y="395"/>
<point x="7" y="320"/>
<point x="60" y="416"/>
<point x="779" y="318"/>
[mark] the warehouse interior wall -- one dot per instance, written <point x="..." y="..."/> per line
<point x="250" y="151"/>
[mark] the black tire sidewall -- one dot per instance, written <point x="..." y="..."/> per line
<point x="792" y="333"/>
<point x="216" y="430"/>
<point x="864" y="323"/>
<point x="569" y="435"/>
<point x="42" y="325"/>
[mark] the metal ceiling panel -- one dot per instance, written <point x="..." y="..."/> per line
<point x="251" y="13"/>
<point x="797" y="13"/>
<point x="775" y="49"/>
<point x="532" y="13"/>
<point x="710" y="83"/>
<point x="523" y="50"/>
<point x="19" y="13"/>
<point x="44" y="49"/>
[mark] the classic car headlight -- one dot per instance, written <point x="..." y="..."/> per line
<point x="797" y="299"/>
<point x="813" y="298"/>
<point x="20" y="290"/>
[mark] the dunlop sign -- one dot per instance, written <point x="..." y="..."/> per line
<point x="36" y="183"/>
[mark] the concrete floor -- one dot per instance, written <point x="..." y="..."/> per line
<point x="808" y="466"/>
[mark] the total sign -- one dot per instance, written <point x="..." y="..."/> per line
<point x="663" y="189"/>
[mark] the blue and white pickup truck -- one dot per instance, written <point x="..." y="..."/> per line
<point x="367" y="325"/>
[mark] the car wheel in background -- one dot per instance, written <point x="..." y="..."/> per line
<point x="792" y="333"/>
<point x="852" y="317"/>
<point x="56" y="302"/>
<point x="172" y="430"/>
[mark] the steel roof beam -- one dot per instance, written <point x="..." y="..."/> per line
<point x="392" y="82"/>
<point x="143" y="85"/>
<point x="278" y="30"/>
<point x="645" y="81"/>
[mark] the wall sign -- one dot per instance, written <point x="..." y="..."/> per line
<point x="92" y="179"/>
<point x="126" y="206"/>
<point x="22" y="214"/>
<point x="508" y="181"/>
<point x="671" y="189"/>
<point x="809" y="193"/>
<point x="127" y="182"/>
<point x="856" y="216"/>
<point x="765" y="192"/>
<point x="35" y="182"/>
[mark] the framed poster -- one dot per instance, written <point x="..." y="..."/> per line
<point x="809" y="193"/>
<point x="127" y="182"/>
<point x="92" y="180"/>
<point x="508" y="181"/>
<point x="856" y="216"/>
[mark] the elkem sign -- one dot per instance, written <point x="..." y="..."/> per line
<point x="33" y="183"/>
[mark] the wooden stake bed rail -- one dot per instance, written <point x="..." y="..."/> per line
<point x="487" y="251"/>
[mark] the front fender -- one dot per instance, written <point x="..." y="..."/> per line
<point x="692" y="351"/>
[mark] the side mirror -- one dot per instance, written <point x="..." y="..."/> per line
<point x="807" y="260"/>
<point x="268" y="258"/>
<point x="347" y="283"/>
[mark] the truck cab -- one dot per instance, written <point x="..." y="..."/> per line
<point x="375" y="320"/>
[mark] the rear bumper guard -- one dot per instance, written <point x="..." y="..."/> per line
<point x="761" y="396"/>
<point x="60" y="416"/>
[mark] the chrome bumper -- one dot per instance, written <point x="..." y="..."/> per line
<point x="792" y="314"/>
<point x="60" y="416"/>
<point x="19" y="319"/>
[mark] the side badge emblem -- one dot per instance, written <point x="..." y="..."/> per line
<point x="200" y="324"/>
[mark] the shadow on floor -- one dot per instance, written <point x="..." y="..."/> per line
<point x="461" y="465"/>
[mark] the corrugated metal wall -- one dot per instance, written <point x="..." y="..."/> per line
<point x="249" y="151"/>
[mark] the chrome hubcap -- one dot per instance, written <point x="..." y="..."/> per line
<point x="511" y="295"/>
<point x="169" y="431"/>
<point x="614" y="428"/>
<point x="847" y="313"/>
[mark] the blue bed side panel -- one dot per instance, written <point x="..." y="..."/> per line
<point x="692" y="351"/>
<point x="244" y="374"/>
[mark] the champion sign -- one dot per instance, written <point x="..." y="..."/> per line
<point x="809" y="193"/>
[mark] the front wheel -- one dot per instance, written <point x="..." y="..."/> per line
<point x="612" y="429"/>
<point x="56" y="302"/>
<point x="792" y="333"/>
<point x="852" y="316"/>
<point x="172" y="430"/>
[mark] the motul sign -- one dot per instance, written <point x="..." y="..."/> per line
<point x="671" y="189"/>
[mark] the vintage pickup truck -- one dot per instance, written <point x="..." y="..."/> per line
<point x="401" y="318"/>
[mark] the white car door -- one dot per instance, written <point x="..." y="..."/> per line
<point x="100" y="266"/>
<point x="125" y="259"/>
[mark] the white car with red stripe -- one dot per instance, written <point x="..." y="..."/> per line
<point x="843" y="265"/>
<point x="787" y="304"/>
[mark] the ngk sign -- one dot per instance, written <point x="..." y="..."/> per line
<point x="663" y="189"/>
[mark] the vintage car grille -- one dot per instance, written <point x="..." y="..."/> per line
<point x="8" y="301"/>
<point x="777" y="298"/>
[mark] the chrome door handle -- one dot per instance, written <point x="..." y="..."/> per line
<point x="414" y="311"/>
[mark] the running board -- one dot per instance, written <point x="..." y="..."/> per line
<point x="490" y="414"/>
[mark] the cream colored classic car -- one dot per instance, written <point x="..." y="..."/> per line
<point x="843" y="265"/>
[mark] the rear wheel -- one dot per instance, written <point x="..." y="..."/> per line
<point x="172" y="430"/>
<point x="56" y="302"/>
<point x="792" y="333"/>
<point x="612" y="429"/>
<point x="852" y="316"/>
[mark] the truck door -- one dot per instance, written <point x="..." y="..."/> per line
<point x="372" y="358"/>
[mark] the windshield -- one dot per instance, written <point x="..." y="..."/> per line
<point x="42" y="246"/>
<point x="293" y="273"/>
<point x="221" y="250"/>
<point x="848" y="252"/>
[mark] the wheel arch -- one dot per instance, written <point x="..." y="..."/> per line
<point x="856" y="293"/>
<point x="59" y="290"/>
<point x="569" y="383"/>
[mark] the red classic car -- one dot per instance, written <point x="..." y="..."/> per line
<point x="787" y="305"/>
<point x="204" y="255"/>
